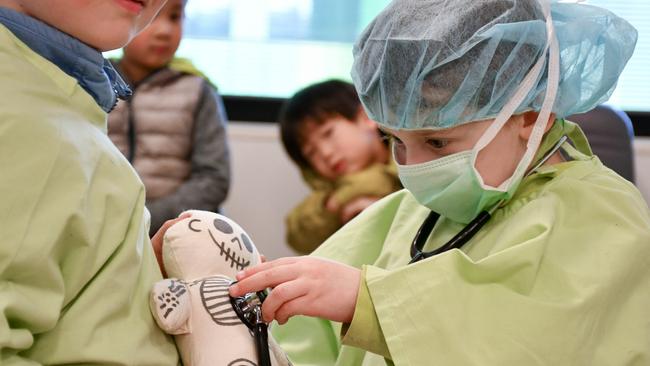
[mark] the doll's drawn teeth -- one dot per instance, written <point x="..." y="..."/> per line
<point x="237" y="261"/>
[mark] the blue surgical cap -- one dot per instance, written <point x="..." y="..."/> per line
<point x="437" y="64"/>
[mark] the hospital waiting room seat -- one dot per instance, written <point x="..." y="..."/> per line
<point x="610" y="135"/>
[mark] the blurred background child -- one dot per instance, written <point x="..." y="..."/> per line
<point x="342" y="158"/>
<point x="173" y="127"/>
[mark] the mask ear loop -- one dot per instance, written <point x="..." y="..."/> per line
<point x="552" y="48"/>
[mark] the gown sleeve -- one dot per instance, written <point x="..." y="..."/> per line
<point x="313" y="341"/>
<point x="365" y="331"/>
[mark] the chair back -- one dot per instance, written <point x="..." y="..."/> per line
<point x="610" y="134"/>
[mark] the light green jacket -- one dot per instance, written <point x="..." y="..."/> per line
<point x="76" y="264"/>
<point x="559" y="276"/>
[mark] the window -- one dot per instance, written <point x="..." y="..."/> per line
<point x="633" y="90"/>
<point x="274" y="47"/>
<point x="271" y="48"/>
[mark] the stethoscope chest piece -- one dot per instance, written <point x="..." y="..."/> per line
<point x="249" y="310"/>
<point x="248" y="306"/>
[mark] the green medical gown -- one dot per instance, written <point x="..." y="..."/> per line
<point x="559" y="276"/>
<point x="76" y="263"/>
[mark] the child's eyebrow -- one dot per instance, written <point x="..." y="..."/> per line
<point x="423" y="132"/>
<point x="435" y="133"/>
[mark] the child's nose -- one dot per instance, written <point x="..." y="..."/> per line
<point x="326" y="150"/>
<point x="164" y="29"/>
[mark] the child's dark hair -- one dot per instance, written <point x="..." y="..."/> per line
<point x="317" y="102"/>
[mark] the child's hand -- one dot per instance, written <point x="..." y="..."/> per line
<point x="350" y="209"/>
<point x="374" y="181"/>
<point x="354" y="207"/>
<point x="157" y="240"/>
<point x="332" y="204"/>
<point x="302" y="286"/>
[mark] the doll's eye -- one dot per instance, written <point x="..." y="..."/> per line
<point x="247" y="242"/>
<point x="191" y="227"/>
<point x="223" y="226"/>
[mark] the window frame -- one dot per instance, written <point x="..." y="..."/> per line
<point x="267" y="109"/>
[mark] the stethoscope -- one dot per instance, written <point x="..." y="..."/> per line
<point x="468" y="232"/>
<point x="249" y="310"/>
<point x="249" y="307"/>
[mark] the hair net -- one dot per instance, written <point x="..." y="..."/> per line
<point x="441" y="63"/>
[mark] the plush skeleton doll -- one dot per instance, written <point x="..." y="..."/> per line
<point x="201" y="255"/>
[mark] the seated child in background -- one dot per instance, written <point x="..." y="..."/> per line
<point x="173" y="127"/>
<point x="341" y="155"/>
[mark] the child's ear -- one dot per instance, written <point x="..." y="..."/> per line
<point x="363" y="119"/>
<point x="529" y="119"/>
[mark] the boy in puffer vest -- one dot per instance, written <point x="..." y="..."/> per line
<point x="173" y="127"/>
<point x="341" y="155"/>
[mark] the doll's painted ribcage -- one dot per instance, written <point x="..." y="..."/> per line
<point x="242" y="362"/>
<point x="216" y="301"/>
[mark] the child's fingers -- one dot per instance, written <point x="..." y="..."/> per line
<point x="332" y="205"/>
<point x="282" y="294"/>
<point x="171" y="222"/>
<point x="296" y="306"/>
<point x="157" y="239"/>
<point x="263" y="267"/>
<point x="158" y="236"/>
<point x="354" y="207"/>
<point x="167" y="224"/>
<point x="263" y="279"/>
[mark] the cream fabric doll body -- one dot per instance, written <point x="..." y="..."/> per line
<point x="201" y="255"/>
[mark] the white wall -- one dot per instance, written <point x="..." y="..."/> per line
<point x="266" y="184"/>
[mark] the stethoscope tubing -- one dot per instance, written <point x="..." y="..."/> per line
<point x="262" y="344"/>
<point x="468" y="232"/>
<point x="251" y="316"/>
<point x="456" y="242"/>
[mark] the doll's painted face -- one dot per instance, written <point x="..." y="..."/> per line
<point x="207" y="244"/>
<point x="234" y="246"/>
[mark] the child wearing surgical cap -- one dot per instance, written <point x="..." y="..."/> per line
<point x="511" y="243"/>
<point x="341" y="155"/>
